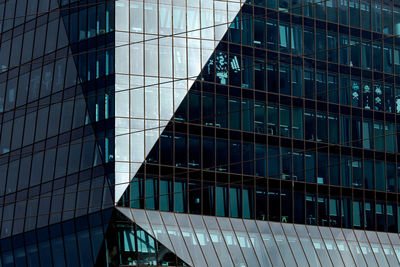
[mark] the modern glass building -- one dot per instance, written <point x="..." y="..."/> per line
<point x="199" y="133"/>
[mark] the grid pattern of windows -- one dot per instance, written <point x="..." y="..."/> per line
<point x="232" y="242"/>
<point x="75" y="242"/>
<point x="56" y="109"/>
<point x="293" y="118"/>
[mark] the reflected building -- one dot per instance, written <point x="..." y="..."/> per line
<point x="199" y="133"/>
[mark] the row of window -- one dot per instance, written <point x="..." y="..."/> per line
<point x="288" y="121"/>
<point x="303" y="81"/>
<point x="81" y="23"/>
<point x="35" y="168"/>
<point x="379" y="55"/>
<point x="73" y="243"/>
<point x="285" y="204"/>
<point x="376" y="15"/>
<point x="52" y="120"/>
<point x="269" y="161"/>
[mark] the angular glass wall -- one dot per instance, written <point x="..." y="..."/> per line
<point x="288" y="96"/>
<point x="232" y="242"/>
<point x="56" y="99"/>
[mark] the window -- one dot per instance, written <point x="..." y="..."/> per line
<point x="310" y="167"/>
<point x="285" y="121"/>
<point x="321" y="85"/>
<point x="284" y="72"/>
<point x="309" y="116"/>
<point x="387" y="16"/>
<point x="391" y="177"/>
<point x="272" y="81"/>
<point x="247" y="200"/>
<point x="311" y="209"/>
<point x="286" y="163"/>
<point x="261" y="203"/>
<point x="222" y="156"/>
<point x="390" y="136"/>
<point x="247" y="72"/>
<point x="388" y="56"/>
<point x="389" y="98"/>
<point x="377" y="56"/>
<point x="357" y="214"/>
<point x="194" y="152"/>
<point x="322" y="176"/>
<point x="334" y="169"/>
<point x="261" y="160"/>
<point x="297" y="80"/>
<point x="248" y="158"/>
<point x="221" y="119"/>
<point x="344" y="49"/>
<point x="322" y="127"/>
<point x="331" y="6"/>
<point x="378" y="96"/>
<point x="208" y="152"/>
<point x="180" y="195"/>
<point x="321" y="44"/>
<point x="297" y="127"/>
<point x="368" y="134"/>
<point x="151" y="193"/>
<point x="376" y="15"/>
<point x="355" y="52"/>
<point x="247" y="115"/>
<point x="272" y="120"/>
<point x="298" y="166"/>
<point x="344" y="12"/>
<point x="272" y="33"/>
<point x="344" y="90"/>
<point x="346" y="171"/>
<point x="369" y="174"/>
<point x="345" y="130"/>
<point x="273" y="162"/>
<point x="379" y="136"/>
<point x="235" y="157"/>
<point x="309" y="40"/>
<point x="356" y="132"/>
<point x="366" y="55"/>
<point x="284" y="37"/>
<point x="259" y="32"/>
<point x="354" y="13"/>
<point x="357" y="170"/>
<point x="332" y="46"/>
<point x="234" y="113"/>
<point x="334" y="212"/>
<point x="221" y="198"/>
<point x="247" y="29"/>
<point x="234" y="202"/>
<point x="260" y="117"/>
<point x="260" y="74"/>
<point x="297" y="40"/>
<point x="333" y="128"/>
<point x="366" y="14"/>
<point x="180" y="149"/>
<point x="380" y="175"/>
<point x="380" y="216"/>
<point x="309" y="87"/>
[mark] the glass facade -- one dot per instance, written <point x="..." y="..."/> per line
<point x="199" y="133"/>
<point x="57" y="128"/>
<point x="292" y="119"/>
<point x="219" y="241"/>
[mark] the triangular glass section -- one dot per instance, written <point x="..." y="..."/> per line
<point x="127" y="244"/>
